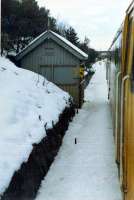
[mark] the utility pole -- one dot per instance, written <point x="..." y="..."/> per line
<point x="48" y="24"/>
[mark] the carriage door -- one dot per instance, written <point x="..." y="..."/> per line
<point x="126" y="151"/>
<point x="129" y="119"/>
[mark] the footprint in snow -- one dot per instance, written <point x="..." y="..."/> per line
<point x="3" y="68"/>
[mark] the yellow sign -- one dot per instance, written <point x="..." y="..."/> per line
<point x="81" y="72"/>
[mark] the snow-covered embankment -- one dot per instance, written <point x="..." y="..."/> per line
<point x="29" y="107"/>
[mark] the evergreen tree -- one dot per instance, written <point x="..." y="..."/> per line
<point x="22" y="21"/>
<point x="92" y="55"/>
<point x="9" y="11"/>
<point x="85" y="45"/>
<point x="71" y="35"/>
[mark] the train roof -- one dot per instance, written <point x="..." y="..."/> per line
<point x="117" y="35"/>
<point x="128" y="11"/>
<point x="130" y="8"/>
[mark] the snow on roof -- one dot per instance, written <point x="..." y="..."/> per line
<point x="25" y="96"/>
<point x="33" y="41"/>
<point x="64" y="40"/>
<point x="70" y="44"/>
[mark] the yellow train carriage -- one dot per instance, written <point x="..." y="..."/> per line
<point x="120" y="75"/>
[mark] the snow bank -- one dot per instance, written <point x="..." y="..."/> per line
<point x="27" y="103"/>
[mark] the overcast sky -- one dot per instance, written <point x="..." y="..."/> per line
<point x="97" y="19"/>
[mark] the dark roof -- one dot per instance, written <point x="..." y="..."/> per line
<point x="57" y="38"/>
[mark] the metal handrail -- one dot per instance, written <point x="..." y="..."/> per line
<point x="116" y="113"/>
<point x="121" y="128"/>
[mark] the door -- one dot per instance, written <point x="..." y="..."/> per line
<point x="129" y="122"/>
<point x="127" y="133"/>
<point x="47" y="72"/>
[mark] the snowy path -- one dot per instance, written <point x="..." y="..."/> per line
<point x="86" y="170"/>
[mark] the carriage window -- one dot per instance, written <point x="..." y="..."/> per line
<point x="131" y="52"/>
<point x="133" y="66"/>
<point x="128" y="47"/>
<point x="116" y="56"/>
<point x="132" y="83"/>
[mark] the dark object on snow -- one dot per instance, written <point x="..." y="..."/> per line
<point x="40" y="117"/>
<point x="45" y="126"/>
<point x="75" y="140"/>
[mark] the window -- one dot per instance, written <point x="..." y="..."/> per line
<point x="132" y="82"/>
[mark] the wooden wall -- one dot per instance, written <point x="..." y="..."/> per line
<point x="57" y="65"/>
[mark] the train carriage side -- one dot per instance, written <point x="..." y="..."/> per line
<point x="121" y="93"/>
<point x="127" y="114"/>
<point x="114" y="85"/>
